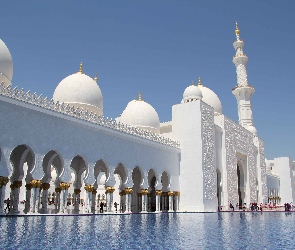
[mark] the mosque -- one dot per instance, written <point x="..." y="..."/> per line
<point x="62" y="150"/>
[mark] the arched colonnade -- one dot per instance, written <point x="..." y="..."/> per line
<point x="139" y="191"/>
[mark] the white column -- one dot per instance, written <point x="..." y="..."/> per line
<point x="28" y="197"/>
<point x="121" y="205"/>
<point x="176" y="200"/>
<point x="64" y="197"/>
<point x="170" y="200"/>
<point x="44" y="202"/>
<point x="76" y="199"/>
<point x="3" y="182"/>
<point x="15" y="194"/>
<point x="158" y="200"/>
<point x="35" y="194"/>
<point x="57" y="199"/>
<point x="93" y="204"/>
<point x="128" y="192"/>
<point x="144" y="200"/>
<point x="88" y="202"/>
<point x="109" y="197"/>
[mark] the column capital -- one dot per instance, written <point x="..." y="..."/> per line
<point x="64" y="185"/>
<point x="36" y="183"/>
<point x="158" y="192"/>
<point x="77" y="191"/>
<point x="3" y="181"/>
<point x="28" y="186"/>
<point x="170" y="193"/>
<point x="89" y="188"/>
<point x="164" y="194"/>
<point x="45" y="186"/>
<point x="94" y="191"/>
<point x="17" y="184"/>
<point x="57" y="189"/>
<point x="110" y="189"/>
<point x="176" y="193"/>
<point x="128" y="190"/>
<point x="122" y="193"/>
<point x="144" y="191"/>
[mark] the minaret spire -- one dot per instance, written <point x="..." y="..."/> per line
<point x="243" y="91"/>
<point x="81" y="68"/>
<point x="237" y="31"/>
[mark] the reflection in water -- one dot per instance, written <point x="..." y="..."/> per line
<point x="150" y="231"/>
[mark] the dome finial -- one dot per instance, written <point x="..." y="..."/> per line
<point x="237" y="31"/>
<point x="193" y="83"/>
<point x="199" y="82"/>
<point x="140" y="96"/>
<point x="95" y="78"/>
<point x="81" y="68"/>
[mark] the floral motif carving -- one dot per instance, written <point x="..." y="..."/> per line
<point x="209" y="167"/>
<point x="263" y="169"/>
<point x="239" y="139"/>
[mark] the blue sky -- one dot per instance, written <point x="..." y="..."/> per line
<point x="159" y="47"/>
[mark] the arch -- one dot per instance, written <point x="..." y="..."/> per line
<point x="152" y="180"/>
<point x="52" y="161"/>
<point x="19" y="155"/>
<point x="165" y="180"/>
<point x="121" y="171"/>
<point x="78" y="165"/>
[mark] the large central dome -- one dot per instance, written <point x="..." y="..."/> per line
<point x="80" y="90"/>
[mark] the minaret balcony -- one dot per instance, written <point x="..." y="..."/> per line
<point x="240" y="59"/>
<point x="238" y="44"/>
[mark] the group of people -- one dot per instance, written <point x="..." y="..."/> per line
<point x="259" y="207"/>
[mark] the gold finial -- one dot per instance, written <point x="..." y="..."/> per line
<point x="199" y="81"/>
<point x="237" y="31"/>
<point x="95" y="78"/>
<point x="139" y="96"/>
<point x="81" y="68"/>
<point x="193" y="82"/>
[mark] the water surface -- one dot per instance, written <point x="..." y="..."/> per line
<point x="269" y="230"/>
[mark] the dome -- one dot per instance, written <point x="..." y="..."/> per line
<point x="210" y="98"/>
<point x="140" y="114"/>
<point x="80" y="90"/>
<point x="252" y="129"/>
<point x="192" y="93"/>
<point x="6" y="65"/>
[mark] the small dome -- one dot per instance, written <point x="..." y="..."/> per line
<point x="6" y="65"/>
<point x="80" y="90"/>
<point x="140" y="114"/>
<point x="252" y="129"/>
<point x="192" y="93"/>
<point x="210" y="98"/>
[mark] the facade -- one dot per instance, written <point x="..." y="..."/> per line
<point x="65" y="152"/>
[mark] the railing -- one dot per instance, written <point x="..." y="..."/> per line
<point x="82" y="114"/>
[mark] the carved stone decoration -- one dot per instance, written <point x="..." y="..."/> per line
<point x="83" y="114"/>
<point x="263" y="169"/>
<point x="209" y="168"/>
<point x="37" y="171"/>
<point x="238" y="139"/>
<point x="6" y="167"/>
<point x="66" y="173"/>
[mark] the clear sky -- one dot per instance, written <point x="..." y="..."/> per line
<point x="159" y="47"/>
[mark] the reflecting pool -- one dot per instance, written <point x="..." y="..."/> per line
<point x="268" y="230"/>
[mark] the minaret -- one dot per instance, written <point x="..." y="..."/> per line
<point x="243" y="92"/>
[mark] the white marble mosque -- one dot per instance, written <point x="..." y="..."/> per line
<point x="61" y="155"/>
